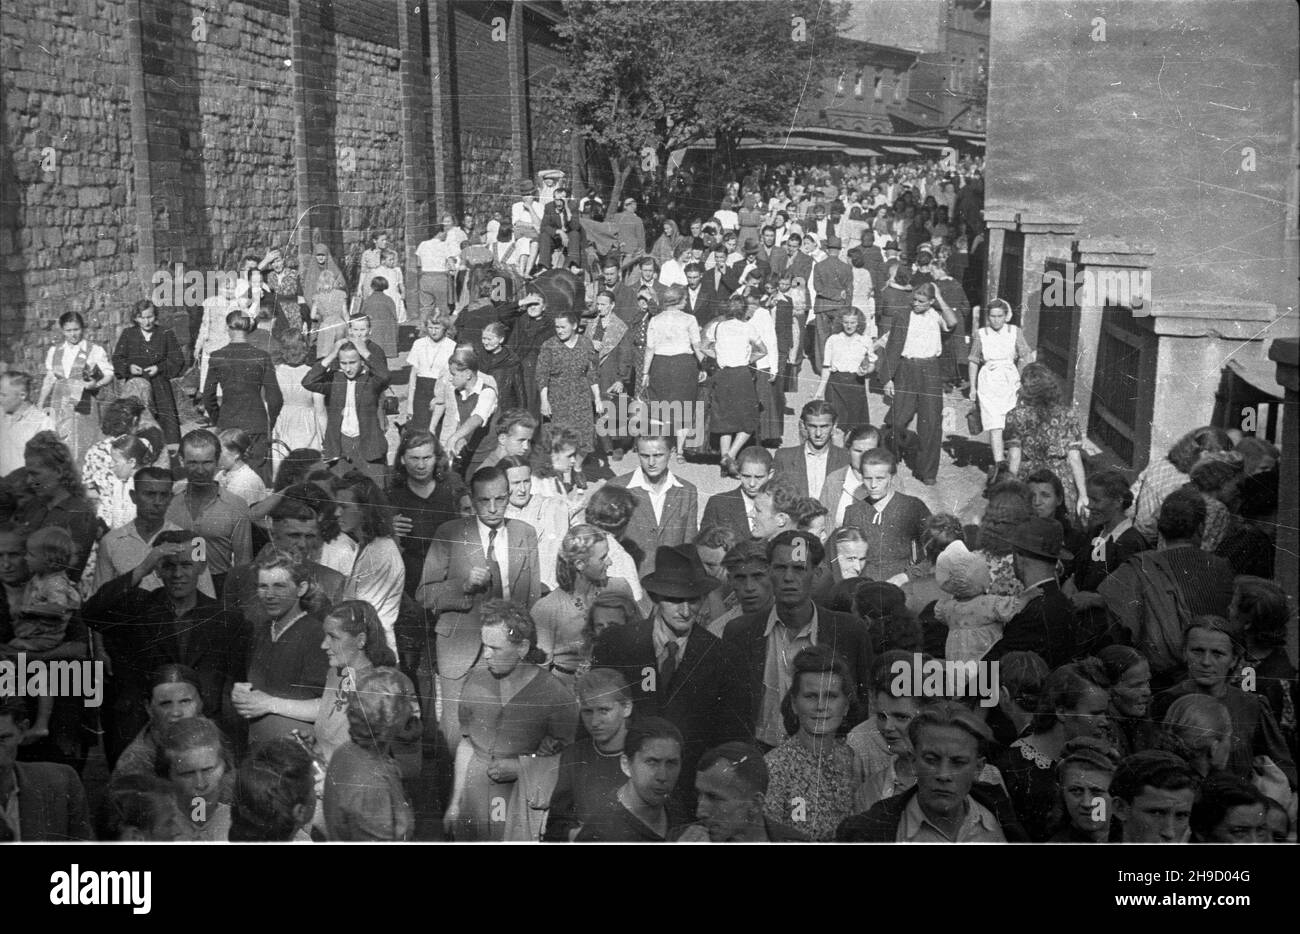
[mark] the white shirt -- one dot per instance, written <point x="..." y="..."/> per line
<point x="845" y="353"/>
<point x="924" y="335"/>
<point x="662" y="636"/>
<point x="501" y="544"/>
<point x="657" y="497"/>
<point x="815" y="466"/>
<point x="733" y="341"/>
<point x="351" y="427"/>
<point x="522" y="214"/>
<point x="433" y="254"/>
<point x="15" y="431"/>
<point x="851" y="483"/>
<point x="429" y="359"/>
<point x="672" y="273"/>
<point x="763" y="322"/>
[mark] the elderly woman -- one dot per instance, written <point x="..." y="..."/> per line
<point x="364" y="799"/>
<point x="1042" y="433"/>
<point x="174" y="695"/>
<point x="1129" y="673"/>
<point x="815" y="776"/>
<point x="196" y="759"/>
<point x="1162" y="477"/>
<point x="511" y="708"/>
<point x="75" y="371"/>
<point x="1213" y="648"/>
<point x="582" y="572"/>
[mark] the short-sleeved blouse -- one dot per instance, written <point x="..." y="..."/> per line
<point x="672" y="332"/>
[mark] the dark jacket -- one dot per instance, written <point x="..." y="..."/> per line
<point x="880" y="824"/>
<point x="1045" y="625"/>
<point x="250" y="393"/>
<point x="845" y="634"/>
<point x="371" y="383"/>
<point x="706" y="698"/>
<point x="727" y="510"/>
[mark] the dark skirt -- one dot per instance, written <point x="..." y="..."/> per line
<point x="424" y="391"/>
<point x="734" y="403"/>
<point x="771" y="426"/>
<point x="847" y="394"/>
<point x="673" y="378"/>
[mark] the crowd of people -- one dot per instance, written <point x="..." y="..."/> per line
<point x="489" y="635"/>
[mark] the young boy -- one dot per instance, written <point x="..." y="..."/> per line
<point x="589" y="768"/>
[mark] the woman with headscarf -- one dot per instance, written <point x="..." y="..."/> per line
<point x="665" y="246"/>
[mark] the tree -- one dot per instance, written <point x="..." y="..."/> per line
<point x="642" y="80"/>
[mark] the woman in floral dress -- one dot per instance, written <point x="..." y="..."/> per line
<point x="567" y="382"/>
<point x="1042" y="433"/>
<point x="815" y="776"/>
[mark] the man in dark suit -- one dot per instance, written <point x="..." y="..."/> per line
<point x="676" y="668"/>
<point x="472" y="560"/>
<point x="736" y="509"/>
<point x="715" y="281"/>
<point x="46" y="798"/>
<point x="767" y="643"/>
<point x="666" y="506"/>
<point x="810" y="463"/>
<point x="832" y="281"/>
<point x="875" y="258"/>
<point x="1047" y="623"/>
<point x="776" y="257"/>
<point x="559" y="229"/>
<point x="354" y="427"/>
<point x="250" y="394"/>
<point x="911" y="373"/>
<point x="740" y="270"/>
<point x="801" y="261"/>
<point x="699" y="299"/>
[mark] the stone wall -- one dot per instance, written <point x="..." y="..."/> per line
<point x="67" y="235"/>
<point x="266" y="123"/>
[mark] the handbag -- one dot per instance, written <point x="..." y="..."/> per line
<point x="974" y="424"/>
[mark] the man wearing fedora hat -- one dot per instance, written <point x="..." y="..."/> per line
<point x="766" y="642"/>
<point x="677" y="668"/>
<point x="1046" y="622"/>
<point x="832" y="288"/>
<point x="739" y="271"/>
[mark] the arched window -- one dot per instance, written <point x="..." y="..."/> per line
<point x="898" y="88"/>
<point x="878" y="86"/>
<point x="839" y="85"/>
<point x="857" y="84"/>
<point x="954" y="79"/>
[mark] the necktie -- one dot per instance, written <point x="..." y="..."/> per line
<point x="670" y="665"/>
<point x="493" y="568"/>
